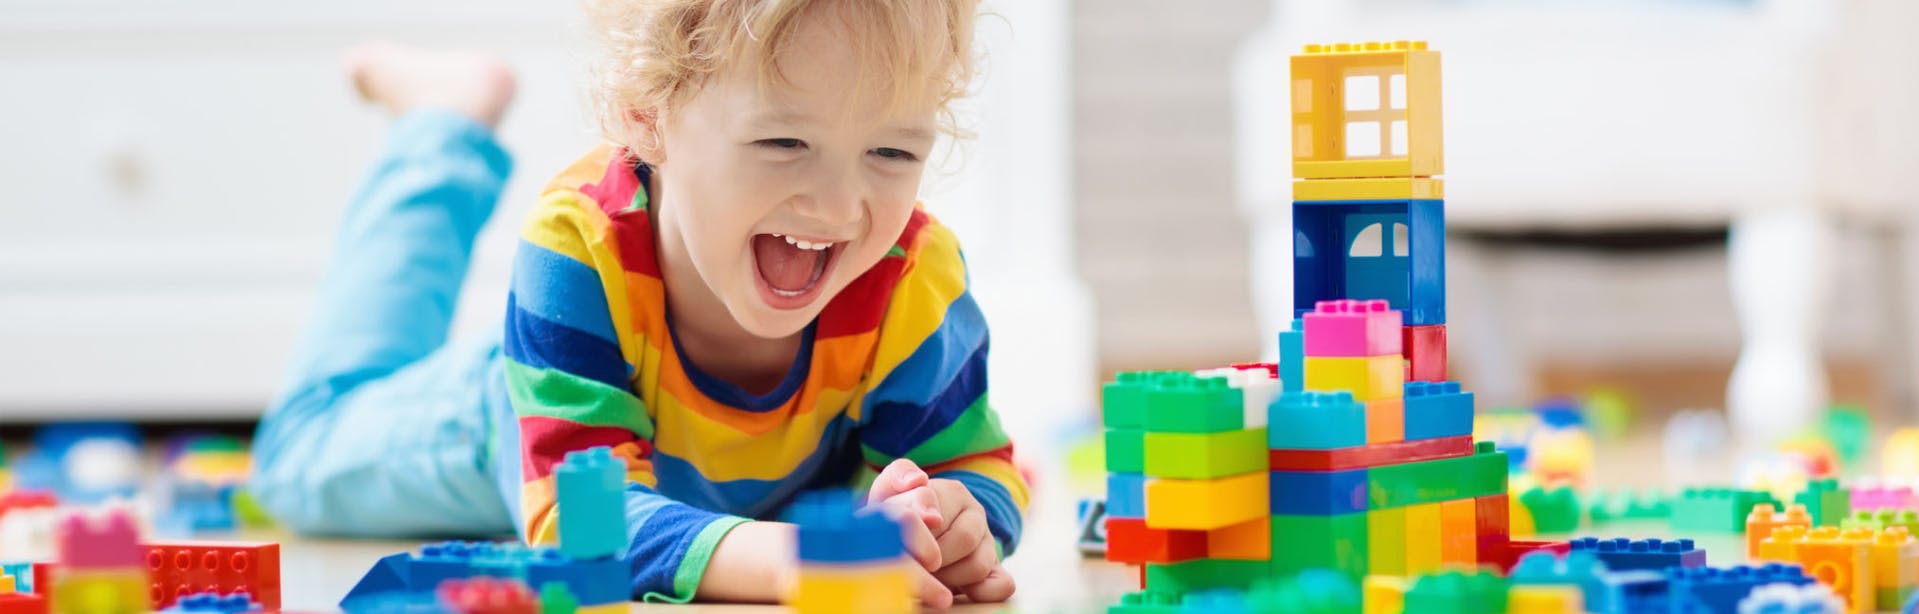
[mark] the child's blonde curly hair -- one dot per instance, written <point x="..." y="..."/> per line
<point x="655" y="54"/>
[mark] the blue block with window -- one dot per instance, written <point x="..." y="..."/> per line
<point x="1393" y="250"/>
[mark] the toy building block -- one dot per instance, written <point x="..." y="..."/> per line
<point x="1352" y="249"/>
<point x="1368" y="378"/>
<point x="1125" y="450"/>
<point x="590" y="486"/>
<point x="831" y="532"/>
<point x="1247" y="541"/>
<point x="1352" y="329"/>
<point x="1123" y="400"/>
<point x="1510" y="551"/>
<point x="1206" y="504"/>
<point x="1315" y="421"/>
<point x="1544" y="600"/>
<point x="23" y="603"/>
<point x="1366" y="110"/>
<point x="1437" y="409"/>
<point x="1879" y="496"/>
<point x="1458" y="543"/>
<point x="1372" y="455"/>
<point x="1216" y="600"/>
<point x="1895" y="566"/>
<point x="1091" y="516"/>
<point x="1492" y="533"/>
<point x="555" y="599"/>
<point x="485" y="595"/>
<point x="1318" y="492"/>
<point x="1185" y="403"/>
<point x="1483" y="473"/>
<point x="1372" y="188"/>
<point x="1424" y="348"/>
<point x="214" y="603"/>
<point x="111" y="542"/>
<point x="1204" y="574"/>
<point x="99" y="591"/>
<point x="219" y="567"/>
<point x="1258" y="385"/>
<point x="1552" y="511"/>
<point x="603" y="581"/>
<point x="1338" y="542"/>
<point x="22" y="575"/>
<point x="1205" y="455"/>
<point x="1452" y="592"/>
<point x="1882" y="519"/>
<point x="1610" y="506"/>
<point x="1715" y="509"/>
<point x="1841" y="560"/>
<point x="1125" y="495"/>
<point x="1147" y="602"/>
<point x="1796" y="598"/>
<point x="1424" y="534"/>
<point x="1783" y="545"/>
<point x="885" y="590"/>
<point x="1129" y="540"/>
<point x="1386" y="541"/>
<point x="1764" y="518"/>
<point x="1708" y="589"/>
<point x="1522" y="520"/>
<point x="1624" y="554"/>
<point x="26" y="500"/>
<point x="1825" y="502"/>
<point x="1384" y="594"/>
<point x="1385" y="421"/>
<point x="1314" y="591"/>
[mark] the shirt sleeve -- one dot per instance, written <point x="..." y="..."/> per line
<point x="930" y="405"/>
<point x="569" y="381"/>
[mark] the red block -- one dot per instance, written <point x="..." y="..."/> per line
<point x="1129" y="541"/>
<point x="25" y="499"/>
<point x="484" y="595"/>
<point x="1372" y="455"/>
<point x="43" y="578"/>
<point x="1271" y="368"/>
<point x="1425" y="350"/>
<point x="22" y="603"/>
<point x="182" y="568"/>
<point x="1491" y="515"/>
<point x="1518" y="548"/>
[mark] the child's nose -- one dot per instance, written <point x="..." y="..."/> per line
<point x="835" y="203"/>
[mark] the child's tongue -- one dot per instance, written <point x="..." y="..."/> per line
<point x="785" y="267"/>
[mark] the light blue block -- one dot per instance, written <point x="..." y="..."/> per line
<point x="590" y="485"/>
<point x="22" y="573"/>
<point x="1437" y="409"/>
<point x="1292" y="358"/>
<point x="1126" y="495"/>
<point x="1315" y="421"/>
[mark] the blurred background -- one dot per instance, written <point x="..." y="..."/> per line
<point x="1643" y="194"/>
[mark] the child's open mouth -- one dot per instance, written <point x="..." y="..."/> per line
<point x="791" y="269"/>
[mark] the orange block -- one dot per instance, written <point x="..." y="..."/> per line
<point x="1385" y="420"/>
<point x="1247" y="541"/>
<point x="1843" y="561"/>
<point x="1460" y="527"/>
<point x="1764" y="518"/>
<point x="1782" y="546"/>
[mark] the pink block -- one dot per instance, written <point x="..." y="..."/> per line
<point x="110" y="542"/>
<point x="1881" y="497"/>
<point x="1348" y="328"/>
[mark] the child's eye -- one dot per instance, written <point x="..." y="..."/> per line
<point x="895" y="154"/>
<point x="781" y="143"/>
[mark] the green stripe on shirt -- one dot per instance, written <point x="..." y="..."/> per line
<point x="558" y="394"/>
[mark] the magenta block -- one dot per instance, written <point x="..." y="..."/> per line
<point x="1348" y="328"/>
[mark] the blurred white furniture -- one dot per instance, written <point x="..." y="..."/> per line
<point x="174" y="172"/>
<point x="1563" y="114"/>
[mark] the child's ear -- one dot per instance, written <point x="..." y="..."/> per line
<point x="648" y="142"/>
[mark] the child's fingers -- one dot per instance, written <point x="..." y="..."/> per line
<point x="932" y="593"/>
<point x="899" y="476"/>
<point x="917" y="505"/>
<point x="964" y="533"/>
<point x="970" y="570"/>
<point x="997" y="587"/>
<point x="921" y="544"/>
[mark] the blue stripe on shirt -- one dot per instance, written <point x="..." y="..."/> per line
<point x="562" y="290"/>
<point x="540" y="343"/>
<point x="896" y="428"/>
<point x="660" y="532"/>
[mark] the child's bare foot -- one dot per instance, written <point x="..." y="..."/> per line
<point x="402" y="78"/>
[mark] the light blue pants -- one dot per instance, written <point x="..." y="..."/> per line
<point x="383" y="428"/>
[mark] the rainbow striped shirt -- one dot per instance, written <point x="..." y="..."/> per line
<point x="894" y="367"/>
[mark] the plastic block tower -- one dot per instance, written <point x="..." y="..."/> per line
<point x="850" y="563"/>
<point x="101" y="567"/>
<point x="1352" y="453"/>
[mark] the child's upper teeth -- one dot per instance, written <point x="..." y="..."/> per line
<point x="807" y="245"/>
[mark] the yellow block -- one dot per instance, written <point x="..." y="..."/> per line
<point x="1368" y="378"/>
<point x="1519" y="518"/>
<point x="1424" y="531"/>
<point x="1204" y="505"/>
<point x="1374" y="188"/>
<point x="1544" y="599"/>
<point x="882" y="589"/>
<point x="1386" y="541"/>
<point x="605" y="608"/>
<point x="1247" y="541"/>
<point x="1895" y="558"/>
<point x="1366" y="110"/>
<point x="1782" y="546"/>
<point x="1383" y="594"/>
<point x="7" y="585"/>
<point x="100" y="592"/>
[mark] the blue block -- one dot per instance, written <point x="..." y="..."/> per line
<point x="1621" y="554"/>
<point x="1126" y="495"/>
<point x="1315" y="421"/>
<point x="22" y="573"/>
<point x="590" y="489"/>
<point x="1706" y="589"/>
<point x="213" y="603"/>
<point x="390" y="574"/>
<point x="421" y="602"/>
<point x="832" y="531"/>
<point x="1437" y="409"/>
<point x="1633" y="592"/>
<point x="592" y="582"/>
<point x="1325" y="267"/>
<point x="1319" y="492"/>
<point x="1579" y="568"/>
<point x="443" y="561"/>
<point x="1292" y="358"/>
<point x="1215" y="601"/>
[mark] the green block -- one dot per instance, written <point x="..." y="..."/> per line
<point x="1147" y="602"/>
<point x="1825" y="502"/>
<point x="1553" y="511"/>
<point x="1204" y="574"/>
<point x="1205" y="455"/>
<point x="1452" y="592"/>
<point x="1183" y="403"/>
<point x="1880" y="519"/>
<point x="1337" y="542"/>
<point x="1123" y="400"/>
<point x="1314" y="591"/>
<point x="1849" y="429"/>
<point x="1448" y="479"/>
<point x="1893" y="598"/>
<point x="1125" y="451"/>
<point x="1716" y="509"/>
<point x="1611" y="506"/>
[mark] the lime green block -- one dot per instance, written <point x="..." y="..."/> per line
<point x="1337" y="542"/>
<point x="1125" y="451"/>
<point x="1182" y="403"/>
<point x="1892" y="598"/>
<point x="1148" y="602"/>
<point x="1825" y="502"/>
<point x="1204" y="574"/>
<point x="1386" y="541"/>
<point x="1205" y="455"/>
